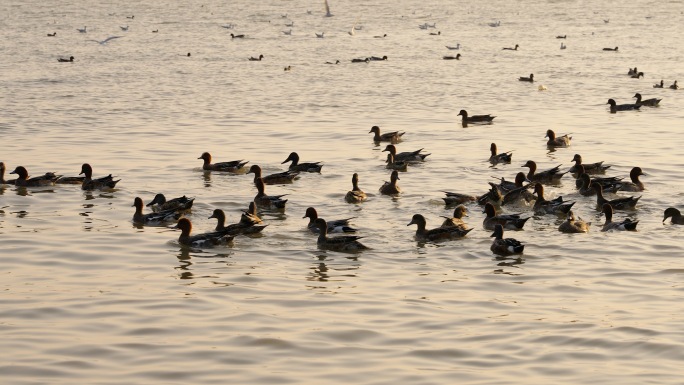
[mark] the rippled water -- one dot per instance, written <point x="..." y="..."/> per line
<point x="89" y="298"/>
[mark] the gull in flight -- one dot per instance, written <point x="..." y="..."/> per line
<point x="103" y="42"/>
<point x="81" y="30"/>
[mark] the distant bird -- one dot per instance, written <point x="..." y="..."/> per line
<point x="435" y="34"/>
<point x="366" y="60"/>
<point x="632" y="71"/>
<point x="82" y="30"/>
<point x="336" y="62"/>
<point x="52" y="34"/>
<point x="498" y="23"/>
<point x="290" y="24"/>
<point x="611" y="49"/>
<point x="256" y="59"/>
<point x="637" y="75"/>
<point x="457" y="46"/>
<point x="573" y="225"/>
<point x="674" y="86"/>
<point x="661" y="85"/>
<point x="228" y="26"/>
<point x="237" y="36"/>
<point x="380" y="37"/>
<point x="562" y="37"/>
<point x="288" y="32"/>
<point x="124" y="28"/>
<point x="407" y="156"/>
<point x="505" y="246"/>
<point x="624" y="225"/>
<point x="614" y="107"/>
<point x="378" y="58"/>
<point x="320" y="35"/>
<point x="511" y="49"/>
<point x="526" y="79"/>
<point x="475" y="119"/>
<point x="606" y="21"/>
<point x="391" y="187"/>
<point x="105" y="41"/>
<point x="563" y="46"/>
<point x="155" y="31"/>
<point x="448" y="57"/>
<point x="130" y="17"/>
<point x="188" y="55"/>
<point x="436" y="234"/>
<point x="288" y="68"/>
<point x="69" y="60"/>
<point x="647" y="102"/>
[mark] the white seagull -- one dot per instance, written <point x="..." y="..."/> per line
<point x="103" y="42"/>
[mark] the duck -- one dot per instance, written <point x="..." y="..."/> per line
<point x="391" y="188"/>
<point x="554" y="141"/>
<point x="395" y="165"/>
<point x="563" y="46"/>
<point x="231" y="166"/>
<point x="410" y="156"/>
<point x="338" y="243"/>
<point x="336" y="62"/>
<point x="435" y="33"/>
<point x="627" y="203"/>
<point x="653" y="102"/>
<point x="380" y="37"/>
<point x="288" y="68"/>
<point x="562" y="37"/>
<point x="589" y="168"/>
<point x="454" y="47"/>
<point x="320" y="35"/>
<point x="493" y="196"/>
<point x="159" y="203"/>
<point x="336" y="226"/>
<point x="277" y="178"/>
<point x="232" y="36"/>
<point x="155" y="217"/>
<point x="632" y="71"/>
<point x="504" y="157"/>
<point x="449" y="57"/>
<point x="39" y="181"/>
<point x="635" y="185"/>
<point x="250" y="215"/>
<point x="454" y="198"/>
<point x="235" y="228"/>
<point x="288" y="33"/>
<point x="583" y="183"/>
<point x="82" y="30"/>
<point x="573" y="225"/>
<point x="68" y="179"/>
<point x="52" y="34"/>
<point x="527" y="79"/>
<point x="674" y="86"/>
<point x="256" y="58"/>
<point x="69" y="60"/>
<point x="200" y="240"/>
<point x="505" y="246"/>
<point x="511" y="49"/>
<point x="124" y="28"/>
<point x="378" y="58"/>
<point x="393" y="137"/>
<point x="457" y="219"/>
<point x="306" y="166"/>
<point x="355" y="195"/>
<point x="475" y="119"/>
<point x="102" y="183"/>
<point x="637" y="75"/>
<point x="2" y="175"/>
<point x="660" y="85"/>
<point x="268" y="201"/>
<point x="496" y="24"/>
<point x="676" y="216"/>
<point x="556" y="206"/>
<point x="552" y="175"/>
<point x="437" y="234"/>
<point x="366" y="60"/>
<point x="624" y="225"/>
<point x="520" y="192"/>
<point x="611" y="49"/>
<point x="508" y="221"/>
<point x="614" y="107"/>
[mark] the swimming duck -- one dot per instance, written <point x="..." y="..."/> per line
<point x="268" y="201"/>
<point x="231" y="166"/>
<point x="336" y="226"/>
<point x="562" y="37"/>
<point x="519" y="192"/>
<point x="288" y="68"/>
<point x="632" y="71"/>
<point x="250" y="215"/>
<point x="638" y="75"/>
<point x="435" y="33"/>
<point x="380" y="37"/>
<point x="646" y="102"/>
<point x="589" y="168"/>
<point x="617" y="204"/>
<point x="625" y="225"/>
<point x="504" y="157"/>
<point x="152" y="218"/>
<point x="102" y="183"/>
<point x="391" y="188"/>
<point x="355" y="195"/>
<point x="23" y="178"/>
<point x="411" y="156"/>
<point x="527" y="79"/>
<point x="552" y="175"/>
<point x="340" y="242"/>
<point x="200" y="240"/>
<point x="505" y="246"/>
<point x="82" y="30"/>
<point x="614" y="107"/>
<point x="256" y="58"/>
<point x="307" y="167"/>
<point x="573" y="225"/>
<point x="560" y="141"/>
<point x="659" y="85"/>
<point x="2" y="175"/>
<point x="378" y="58"/>
<point x="336" y="62"/>
<point x="237" y="36"/>
<point x="235" y="228"/>
<point x="457" y="220"/>
<point x="395" y="165"/>
<point x="511" y="49"/>
<point x="583" y="183"/>
<point x="437" y="234"/>
<point x="542" y="206"/>
<point x="366" y="60"/>
<point x="508" y="221"/>
<point x="453" y="198"/>
<point x="52" y="34"/>
<point x="475" y="119"/>
<point x="277" y="178"/>
<point x="69" y="60"/>
<point x="635" y="184"/>
<point x="611" y="49"/>
<point x="393" y="137"/>
<point x="449" y="57"/>
<point x="674" y="86"/>
<point x="159" y="203"/>
<point x="676" y="216"/>
<point x="492" y="196"/>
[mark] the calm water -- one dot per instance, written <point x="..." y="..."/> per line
<point x="89" y="298"/>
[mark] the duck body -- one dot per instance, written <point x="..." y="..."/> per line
<point x="449" y="57"/>
<point x="557" y="141"/>
<point x="529" y="79"/>
<point x="573" y="225"/>
<point x="614" y="107"/>
<point x="284" y="177"/>
<point x="457" y="219"/>
<point x="159" y="203"/>
<point x="235" y="228"/>
<point x="230" y="166"/>
<point x="2" y="175"/>
<point x="69" y="60"/>
<point x="677" y="218"/>
<point x="611" y="49"/>
<point x="395" y="165"/>
<point x="624" y="225"/>
<point x="378" y="58"/>
<point x="505" y="246"/>
<point x="338" y="243"/>
<point x="305" y="167"/>
<point x="475" y="119"/>
<point x="23" y="179"/>
<point x="102" y="183"/>
<point x="454" y="198"/>
<point x="674" y="86"/>
<point x="256" y="58"/>
<point x="637" y="75"/>
<point x="552" y="175"/>
<point x="508" y="221"/>
<point x="268" y="201"/>
<point x="233" y="36"/>
<point x="437" y="234"/>
<point x="519" y="192"/>
<point x="653" y="102"/>
<point x="393" y="137"/>
<point x="200" y="240"/>
<point x="511" y="49"/>
<point x="659" y="85"/>
<point x="250" y="215"/>
<point x="410" y="156"/>
<point x="543" y="206"/>
<point x="391" y="187"/>
<point x="355" y="195"/>
<point x="154" y="218"/>
<point x="635" y="185"/>
<point x="628" y="203"/>
<point x="589" y="168"/>
<point x="366" y="60"/>
<point x="336" y="226"/>
<point x="504" y="157"/>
